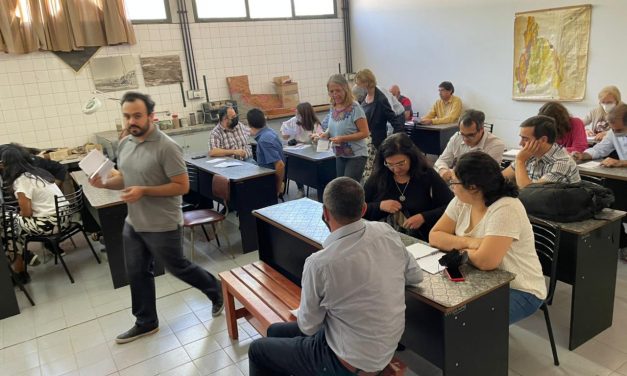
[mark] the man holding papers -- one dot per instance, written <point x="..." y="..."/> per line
<point x="152" y="176"/>
<point x="352" y="307"/>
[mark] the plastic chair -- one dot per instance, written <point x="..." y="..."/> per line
<point x="66" y="207"/>
<point x="8" y="222"/>
<point x="547" y="238"/>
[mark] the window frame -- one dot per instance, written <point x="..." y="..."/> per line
<point x="248" y="18"/>
<point x="167" y="20"/>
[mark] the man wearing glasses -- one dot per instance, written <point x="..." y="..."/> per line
<point x="230" y="137"/>
<point x="471" y="136"/>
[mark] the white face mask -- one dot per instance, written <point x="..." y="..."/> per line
<point x="607" y="107"/>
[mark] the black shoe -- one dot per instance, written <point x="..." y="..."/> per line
<point x="218" y="307"/>
<point x="134" y="333"/>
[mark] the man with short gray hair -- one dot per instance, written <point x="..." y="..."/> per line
<point x="352" y="307"/>
<point x="471" y="136"/>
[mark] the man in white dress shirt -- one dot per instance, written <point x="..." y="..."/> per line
<point x="471" y="136"/>
<point x="352" y="307"/>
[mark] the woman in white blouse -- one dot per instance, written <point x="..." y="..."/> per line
<point x="488" y="221"/>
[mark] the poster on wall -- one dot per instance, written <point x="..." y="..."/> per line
<point x="77" y="59"/>
<point x="551" y="54"/>
<point x="161" y="70"/>
<point x="114" y="73"/>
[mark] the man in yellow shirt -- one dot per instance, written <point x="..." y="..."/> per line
<point x="447" y="109"/>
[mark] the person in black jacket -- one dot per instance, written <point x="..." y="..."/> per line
<point x="378" y="112"/>
<point x="404" y="189"/>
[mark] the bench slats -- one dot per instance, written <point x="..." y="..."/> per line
<point x="280" y="289"/>
<point x="279" y="278"/>
<point x="265" y="292"/>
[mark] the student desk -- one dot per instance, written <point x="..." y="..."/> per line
<point x="109" y="212"/>
<point x="431" y="139"/>
<point x="308" y="167"/>
<point x="460" y="327"/>
<point x="9" y="306"/>
<point x="251" y="187"/>
<point x="587" y="261"/>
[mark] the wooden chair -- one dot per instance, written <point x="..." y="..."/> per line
<point x="8" y="229"/>
<point x="267" y="297"/>
<point x="220" y="187"/>
<point x="547" y="237"/>
<point x="66" y="208"/>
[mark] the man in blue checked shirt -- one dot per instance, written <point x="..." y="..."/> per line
<point x="269" y="147"/>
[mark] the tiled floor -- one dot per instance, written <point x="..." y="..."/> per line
<point x="71" y="330"/>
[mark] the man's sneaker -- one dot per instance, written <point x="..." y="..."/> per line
<point x="300" y="193"/>
<point x="134" y="333"/>
<point x="31" y="258"/>
<point x="217" y="308"/>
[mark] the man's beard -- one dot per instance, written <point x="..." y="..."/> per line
<point x="138" y="131"/>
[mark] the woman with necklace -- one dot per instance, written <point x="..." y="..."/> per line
<point x="347" y="129"/>
<point x="404" y="188"/>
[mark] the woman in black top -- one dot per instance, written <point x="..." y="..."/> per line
<point x="404" y="188"/>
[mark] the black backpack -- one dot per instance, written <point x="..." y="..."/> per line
<point x="564" y="202"/>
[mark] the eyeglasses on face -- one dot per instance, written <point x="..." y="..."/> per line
<point x="468" y="136"/>
<point x="395" y="165"/>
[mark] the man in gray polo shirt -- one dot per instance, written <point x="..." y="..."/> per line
<point x="152" y="176"/>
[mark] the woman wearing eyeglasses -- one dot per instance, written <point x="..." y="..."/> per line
<point x="488" y="221"/>
<point x="404" y="189"/>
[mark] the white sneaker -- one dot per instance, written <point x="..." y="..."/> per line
<point x="300" y="193"/>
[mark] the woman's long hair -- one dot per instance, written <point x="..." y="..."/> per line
<point x="561" y="116"/>
<point x="308" y="118"/>
<point x="382" y="177"/>
<point x="15" y="164"/>
<point x="477" y="170"/>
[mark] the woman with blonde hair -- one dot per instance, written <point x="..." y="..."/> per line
<point x="609" y="97"/>
<point x="347" y="129"/>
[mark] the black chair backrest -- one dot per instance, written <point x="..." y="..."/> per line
<point x="547" y="238"/>
<point x="594" y="179"/>
<point x="68" y="205"/>
<point x="489" y="126"/>
<point x="8" y="225"/>
<point x="192" y="174"/>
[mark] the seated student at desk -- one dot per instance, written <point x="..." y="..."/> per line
<point x="269" y="147"/>
<point x="447" y="109"/>
<point x="471" y="136"/>
<point x="488" y="221"/>
<point x="541" y="160"/>
<point x="58" y="170"/>
<point x="571" y="132"/>
<point x="352" y="303"/>
<point x="609" y="97"/>
<point x="404" y="188"/>
<point x="230" y="137"/>
<point x="615" y="141"/>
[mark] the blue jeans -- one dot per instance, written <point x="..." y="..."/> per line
<point x="350" y="167"/>
<point x="521" y="305"/>
<point x="287" y="351"/>
<point x="140" y="251"/>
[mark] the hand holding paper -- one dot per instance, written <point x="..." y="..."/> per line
<point x="95" y="163"/>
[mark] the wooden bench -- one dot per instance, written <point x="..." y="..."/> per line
<point x="267" y="298"/>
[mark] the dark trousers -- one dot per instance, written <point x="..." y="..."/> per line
<point x="287" y="351"/>
<point x="140" y="251"/>
<point x="351" y="167"/>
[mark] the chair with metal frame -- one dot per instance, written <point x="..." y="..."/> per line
<point x="66" y="207"/>
<point x="8" y="222"/>
<point x="220" y="187"/>
<point x="547" y="238"/>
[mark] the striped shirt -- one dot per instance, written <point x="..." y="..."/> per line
<point x="554" y="166"/>
<point x="231" y="139"/>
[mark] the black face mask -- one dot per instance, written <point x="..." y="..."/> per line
<point x="234" y="122"/>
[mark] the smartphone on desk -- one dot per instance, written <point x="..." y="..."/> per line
<point x="454" y="274"/>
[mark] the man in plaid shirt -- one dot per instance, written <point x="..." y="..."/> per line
<point x="230" y="137"/>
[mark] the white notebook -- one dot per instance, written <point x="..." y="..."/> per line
<point x="428" y="257"/>
<point x="95" y="163"/>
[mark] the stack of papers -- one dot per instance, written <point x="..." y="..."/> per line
<point x="95" y="163"/>
<point x="427" y="257"/>
<point x="216" y="160"/>
<point x="323" y="145"/>
<point x="591" y="164"/>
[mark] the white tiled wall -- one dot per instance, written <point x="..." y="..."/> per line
<point x="41" y="97"/>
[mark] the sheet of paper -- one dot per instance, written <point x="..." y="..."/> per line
<point x="297" y="147"/>
<point x="96" y="163"/>
<point x="323" y="145"/>
<point x="216" y="160"/>
<point x="591" y="164"/>
<point x="511" y="152"/>
<point x="419" y="250"/>
<point x="228" y="164"/>
<point x="430" y="263"/>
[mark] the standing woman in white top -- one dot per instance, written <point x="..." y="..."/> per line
<point x="35" y="190"/>
<point x="488" y="221"/>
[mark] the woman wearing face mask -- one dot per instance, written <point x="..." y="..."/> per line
<point x="347" y="129"/>
<point x="300" y="128"/>
<point x="609" y="97"/>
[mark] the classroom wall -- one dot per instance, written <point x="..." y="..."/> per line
<point x="419" y="44"/>
<point x="41" y="97"/>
